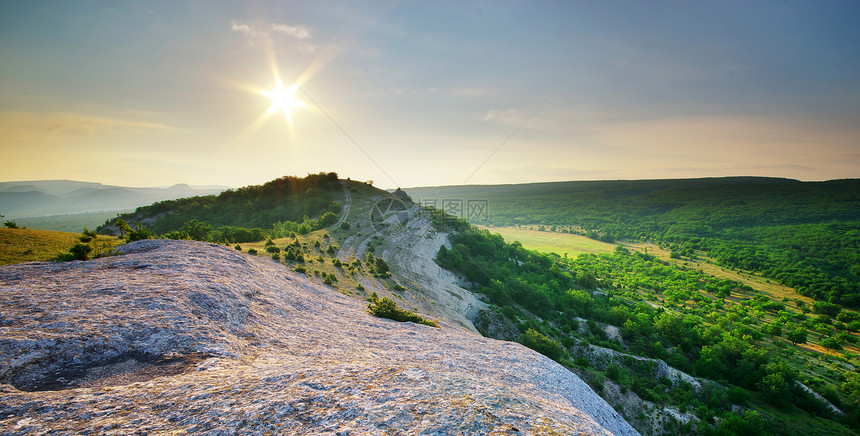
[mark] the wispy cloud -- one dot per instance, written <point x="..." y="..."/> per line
<point x="474" y="92"/>
<point x="64" y="123"/>
<point x="300" y="32"/>
<point x="548" y="119"/>
<point x="255" y="32"/>
<point x="242" y="28"/>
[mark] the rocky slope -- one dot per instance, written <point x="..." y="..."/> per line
<point x="174" y="337"/>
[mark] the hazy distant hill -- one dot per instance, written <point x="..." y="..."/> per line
<point x="56" y="197"/>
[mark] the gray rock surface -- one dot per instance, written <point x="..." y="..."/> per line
<point x="185" y="337"/>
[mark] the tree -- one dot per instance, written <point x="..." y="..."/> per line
<point x="797" y="335"/>
<point x="539" y="342"/>
<point x="197" y="230"/>
<point x="10" y="224"/>
<point x="122" y="226"/>
<point x="327" y="219"/>
<point x="772" y="329"/>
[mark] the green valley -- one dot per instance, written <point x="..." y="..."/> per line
<point x="713" y="306"/>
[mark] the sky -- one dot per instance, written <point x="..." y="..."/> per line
<point x="408" y="93"/>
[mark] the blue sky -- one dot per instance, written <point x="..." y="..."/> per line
<point x="429" y="93"/>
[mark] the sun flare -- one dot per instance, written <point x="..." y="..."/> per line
<point x="284" y="100"/>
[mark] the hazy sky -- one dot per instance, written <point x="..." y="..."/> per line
<point x="428" y="93"/>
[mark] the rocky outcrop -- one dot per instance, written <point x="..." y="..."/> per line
<point x="174" y="337"/>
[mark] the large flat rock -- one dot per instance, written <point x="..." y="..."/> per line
<point x="178" y="336"/>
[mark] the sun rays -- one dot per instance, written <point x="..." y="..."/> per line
<point x="283" y="100"/>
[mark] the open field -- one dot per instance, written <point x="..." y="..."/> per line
<point x="549" y="242"/>
<point x="29" y="245"/>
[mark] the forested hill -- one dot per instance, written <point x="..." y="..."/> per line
<point x="287" y="199"/>
<point x="803" y="234"/>
<point x="648" y="207"/>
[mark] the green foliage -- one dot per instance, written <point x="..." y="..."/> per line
<point x="197" y="230"/>
<point x="542" y="344"/>
<point x="327" y="219"/>
<point x="805" y="235"/>
<point x="702" y="335"/>
<point x="252" y="251"/>
<point x="123" y="226"/>
<point x="138" y="234"/>
<point x="260" y="206"/>
<point x="80" y="252"/>
<point x="387" y="308"/>
<point x="345" y="225"/>
<point x="750" y="423"/>
<point x="826" y="308"/>
<point x="798" y="335"/>
<point x="10" y="224"/>
<point x="832" y="343"/>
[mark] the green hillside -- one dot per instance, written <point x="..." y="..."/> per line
<point x="240" y="215"/>
<point x="803" y="234"/>
<point x="30" y="245"/>
<point x="760" y="350"/>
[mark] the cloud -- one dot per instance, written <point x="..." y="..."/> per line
<point x="548" y="119"/>
<point x="474" y="92"/>
<point x="255" y="33"/>
<point x="17" y="126"/>
<point x="242" y="28"/>
<point x="300" y="32"/>
<point x="73" y="123"/>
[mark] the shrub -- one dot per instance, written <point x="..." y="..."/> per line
<point x="832" y="343"/>
<point x="252" y="251"/>
<point x="387" y="308"/>
<point x="612" y="371"/>
<point x="276" y="256"/>
<point x="345" y="225"/>
<point x="78" y="252"/>
<point x="272" y="249"/>
<point x="10" y="224"/>
<point x="542" y="344"/>
<point x="238" y="247"/>
<point x="300" y="269"/>
<point x="138" y="234"/>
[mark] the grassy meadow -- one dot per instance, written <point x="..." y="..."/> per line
<point x="563" y="244"/>
<point x="31" y="245"/>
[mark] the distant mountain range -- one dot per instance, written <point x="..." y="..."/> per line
<point x="59" y="197"/>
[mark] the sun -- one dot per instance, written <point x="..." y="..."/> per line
<point x="284" y="100"/>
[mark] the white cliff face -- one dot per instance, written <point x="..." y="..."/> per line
<point x="177" y="336"/>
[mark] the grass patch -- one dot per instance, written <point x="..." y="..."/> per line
<point x="30" y="245"/>
<point x="549" y="242"/>
<point x="387" y="308"/>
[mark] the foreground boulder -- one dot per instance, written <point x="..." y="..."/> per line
<point x="177" y="336"/>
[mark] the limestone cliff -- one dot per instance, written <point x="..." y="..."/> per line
<point x="187" y="337"/>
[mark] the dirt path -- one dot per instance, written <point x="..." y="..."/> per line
<point x="346" y="204"/>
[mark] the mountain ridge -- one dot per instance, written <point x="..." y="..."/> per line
<point x="190" y="336"/>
